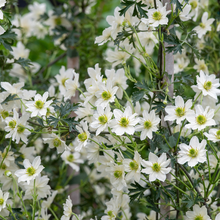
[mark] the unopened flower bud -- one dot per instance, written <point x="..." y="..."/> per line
<point x="8" y="173"/>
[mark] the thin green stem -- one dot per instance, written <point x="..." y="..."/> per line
<point x="5" y="155"/>
<point x="55" y="216"/>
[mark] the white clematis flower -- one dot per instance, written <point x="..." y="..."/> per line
<point x="193" y="153"/>
<point x="156" y="167"/>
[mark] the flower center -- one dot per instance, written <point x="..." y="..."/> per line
<point x="134" y="165"/>
<point x="202" y="25"/>
<point x="58" y="21"/>
<point x="157" y="15"/>
<point x="39" y="104"/>
<point x="12" y="124"/>
<point x="147" y="124"/>
<point x="63" y="81"/>
<point x="180" y="66"/>
<point x="82" y="137"/>
<point x="56" y="142"/>
<point x="118" y="174"/>
<point x="198" y="217"/>
<point x="70" y="158"/>
<point x="201" y="119"/>
<point x="217" y="134"/>
<point x="202" y="67"/>
<point x="110" y="214"/>
<point x="4" y="114"/>
<point x="193" y="152"/>
<point x="1" y="201"/>
<point x="103" y="119"/>
<point x="156" y="167"/>
<point x="193" y="4"/>
<point x="20" y="129"/>
<point x="207" y="85"/>
<point x="31" y="171"/>
<point x="124" y="122"/>
<point x="106" y="95"/>
<point x="180" y="111"/>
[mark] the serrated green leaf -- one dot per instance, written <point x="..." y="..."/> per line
<point x="136" y="96"/>
<point x="10" y="98"/>
<point x="23" y="62"/>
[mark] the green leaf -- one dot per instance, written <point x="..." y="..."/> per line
<point x="23" y="62"/>
<point x="71" y="123"/>
<point x="136" y="96"/>
<point x="52" y="121"/>
<point x="66" y="108"/>
<point x="127" y="5"/>
<point x="10" y="98"/>
<point x="142" y="85"/>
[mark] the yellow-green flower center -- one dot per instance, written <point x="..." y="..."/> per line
<point x="156" y="167"/>
<point x="134" y="165"/>
<point x="193" y="4"/>
<point x="217" y="134"/>
<point x="106" y="95"/>
<point x="56" y="142"/>
<point x="103" y="119"/>
<point x="147" y="124"/>
<point x="1" y="201"/>
<point x="180" y="111"/>
<point x="58" y="21"/>
<point x="110" y="214"/>
<point x="70" y="158"/>
<point x="207" y="85"/>
<point x="193" y="152"/>
<point x="4" y="114"/>
<point x="82" y="137"/>
<point x="20" y="129"/>
<point x="31" y="171"/>
<point x="201" y="119"/>
<point x="199" y="217"/>
<point x="118" y="174"/>
<point x="157" y="15"/>
<point x="202" y="67"/>
<point x="63" y="81"/>
<point x="180" y="65"/>
<point x="12" y="124"/>
<point x="39" y="104"/>
<point x="124" y="122"/>
<point x="202" y="25"/>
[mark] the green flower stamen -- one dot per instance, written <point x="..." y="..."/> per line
<point x="31" y="171"/>
<point x="106" y="95"/>
<point x="193" y="4"/>
<point x="70" y="158"/>
<point x="12" y="124"/>
<point x="124" y="122"/>
<point x="180" y="111"/>
<point x="82" y="137"/>
<point x="193" y="152"/>
<point x="4" y="114"/>
<point x="103" y="119"/>
<point x="202" y="25"/>
<point x="56" y="142"/>
<point x="147" y="124"/>
<point x="201" y="119"/>
<point x="207" y="85"/>
<point x="134" y="165"/>
<point x="198" y="217"/>
<point x="20" y="129"/>
<point x="1" y="201"/>
<point x="157" y="15"/>
<point x="39" y="104"/>
<point x="156" y="167"/>
<point x="118" y="174"/>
